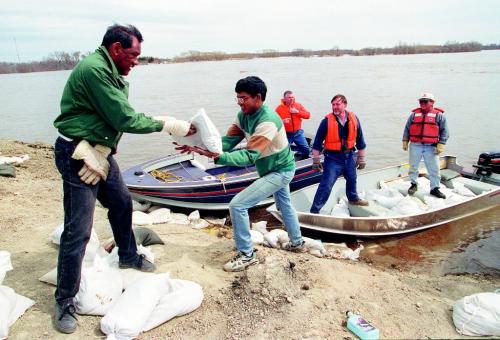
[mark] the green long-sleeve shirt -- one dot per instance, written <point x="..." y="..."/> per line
<point x="267" y="145"/>
<point x="94" y="104"/>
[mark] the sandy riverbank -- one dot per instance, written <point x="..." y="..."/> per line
<point x="286" y="296"/>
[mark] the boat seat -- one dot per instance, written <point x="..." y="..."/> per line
<point x="372" y="209"/>
<point x="475" y="186"/>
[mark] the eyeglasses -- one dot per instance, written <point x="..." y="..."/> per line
<point x="241" y="100"/>
<point x="423" y="101"/>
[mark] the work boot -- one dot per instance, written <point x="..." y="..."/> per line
<point x="140" y="264"/>
<point x="299" y="248"/>
<point x="359" y="201"/>
<point x="64" y="318"/>
<point x="437" y="193"/>
<point x="413" y="188"/>
<point x="240" y="262"/>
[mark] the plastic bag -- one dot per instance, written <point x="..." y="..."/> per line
<point x="207" y="136"/>
<point x="478" y="314"/>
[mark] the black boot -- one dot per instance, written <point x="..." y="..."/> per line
<point x="437" y="193"/>
<point x="412" y="189"/>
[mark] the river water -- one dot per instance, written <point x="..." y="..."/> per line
<point x="381" y="90"/>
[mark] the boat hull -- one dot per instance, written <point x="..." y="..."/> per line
<point x="390" y="225"/>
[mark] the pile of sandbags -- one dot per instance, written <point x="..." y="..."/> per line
<point x="148" y="215"/>
<point x="12" y="305"/>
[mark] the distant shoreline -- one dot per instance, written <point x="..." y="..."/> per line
<point x="66" y="61"/>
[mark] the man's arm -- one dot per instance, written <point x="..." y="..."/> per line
<point x="233" y="137"/>
<point x="320" y="136"/>
<point x="303" y="113"/>
<point x="360" y="140"/>
<point x="443" y="130"/>
<point x="113" y="105"/>
<point x="406" y="132"/>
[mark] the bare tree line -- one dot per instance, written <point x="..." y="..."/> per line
<point x="66" y="61"/>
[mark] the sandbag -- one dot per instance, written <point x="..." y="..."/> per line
<point x="207" y="136"/>
<point x="478" y="314"/>
<point x="182" y="297"/>
<point x="260" y="226"/>
<point x="7" y="170"/>
<point x="340" y="209"/>
<point x="128" y="316"/>
<point x="257" y="237"/>
<point x="146" y="236"/>
<point x="100" y="287"/>
<point x="140" y="206"/>
<point x="5" y="264"/>
<point x="141" y="218"/>
<point x="161" y="215"/>
<point x="12" y="306"/>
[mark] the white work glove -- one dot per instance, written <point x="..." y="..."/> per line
<point x="96" y="165"/>
<point x="174" y="126"/>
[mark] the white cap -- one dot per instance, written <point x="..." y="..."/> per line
<point x="427" y="95"/>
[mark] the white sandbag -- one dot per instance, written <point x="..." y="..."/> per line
<point x="314" y="247"/>
<point x="408" y="206"/>
<point x="178" y="218"/>
<point x="260" y="226"/>
<point x="340" y="209"/>
<point x="113" y="259"/>
<point x="433" y="203"/>
<point x="161" y="215"/>
<point x="257" y="237"/>
<point x="14" y="160"/>
<point x="5" y="264"/>
<point x="283" y="238"/>
<point x="12" y="307"/>
<point x="100" y="287"/>
<point x="423" y="182"/>
<point x="55" y="236"/>
<point x="478" y="314"/>
<point x="50" y="277"/>
<point x="138" y="206"/>
<point x="130" y="275"/>
<point x="401" y="186"/>
<point x="460" y="189"/>
<point x="207" y="136"/>
<point x="182" y="297"/>
<point x="216" y="221"/>
<point x="271" y="239"/>
<point x="128" y="316"/>
<point x="141" y="218"/>
<point x="455" y="199"/>
<point x="194" y="216"/>
<point x="342" y="251"/>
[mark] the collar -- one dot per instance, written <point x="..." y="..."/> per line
<point x="111" y="64"/>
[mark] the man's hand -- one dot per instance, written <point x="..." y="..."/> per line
<point x="405" y="145"/>
<point x="192" y="130"/>
<point x="439" y="149"/>
<point x="360" y="162"/>
<point x="96" y="165"/>
<point x="176" y="127"/>
<point x="196" y="149"/>
<point x="316" y="166"/>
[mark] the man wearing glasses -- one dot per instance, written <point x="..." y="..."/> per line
<point x="427" y="131"/>
<point x="292" y="113"/>
<point x="267" y="148"/>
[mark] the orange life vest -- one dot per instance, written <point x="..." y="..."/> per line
<point x="292" y="122"/>
<point x="424" y="128"/>
<point x="332" y="139"/>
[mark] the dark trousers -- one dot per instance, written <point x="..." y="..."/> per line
<point x="336" y="164"/>
<point x="300" y="141"/>
<point x="79" y="206"/>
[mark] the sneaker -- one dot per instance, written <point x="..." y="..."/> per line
<point x="141" y="263"/>
<point x="437" y="193"/>
<point x="412" y="189"/>
<point x="240" y="262"/>
<point x="359" y="201"/>
<point x="65" y="319"/>
<point x="299" y="248"/>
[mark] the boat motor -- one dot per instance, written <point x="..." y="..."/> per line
<point x="488" y="163"/>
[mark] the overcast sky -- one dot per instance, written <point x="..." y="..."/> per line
<point x="169" y="27"/>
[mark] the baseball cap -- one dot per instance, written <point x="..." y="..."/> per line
<point x="428" y="96"/>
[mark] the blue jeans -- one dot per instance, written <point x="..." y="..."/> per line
<point x="79" y="205"/>
<point x="336" y="164"/>
<point x="431" y="160"/>
<point x="273" y="183"/>
<point x="300" y="141"/>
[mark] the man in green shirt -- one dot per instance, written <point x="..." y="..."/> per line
<point x="95" y="112"/>
<point x="267" y="148"/>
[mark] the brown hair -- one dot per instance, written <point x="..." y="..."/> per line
<point x="339" y="96"/>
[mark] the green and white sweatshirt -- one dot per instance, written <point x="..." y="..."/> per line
<point x="267" y="145"/>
